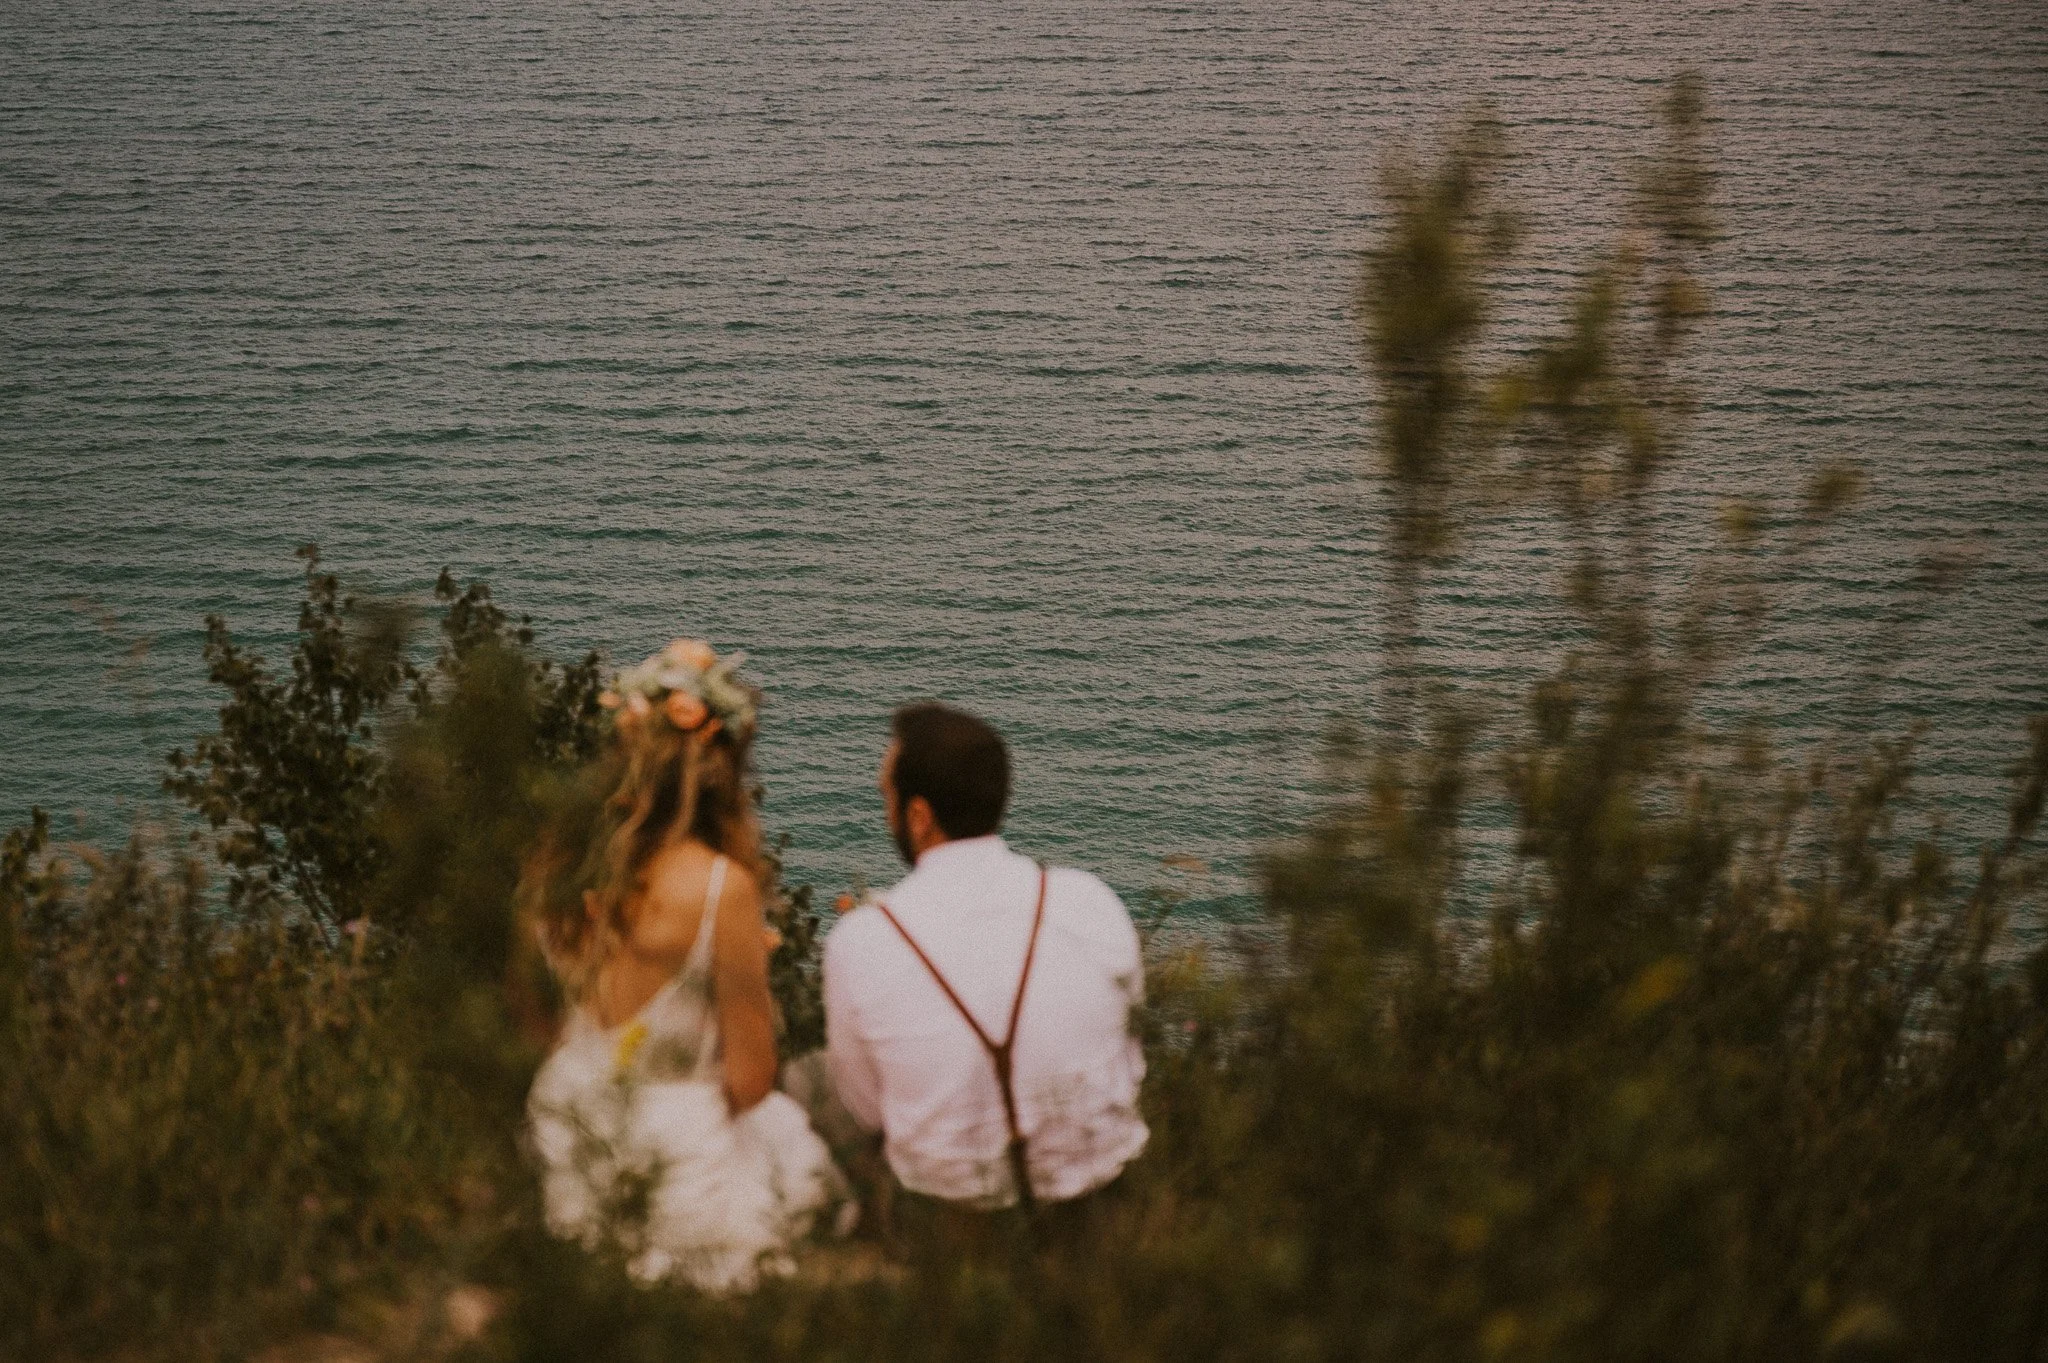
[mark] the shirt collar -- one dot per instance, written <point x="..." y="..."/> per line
<point x="959" y="852"/>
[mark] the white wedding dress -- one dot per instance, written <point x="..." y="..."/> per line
<point x="637" y="1147"/>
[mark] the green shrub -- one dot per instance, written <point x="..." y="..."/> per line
<point x="208" y="1132"/>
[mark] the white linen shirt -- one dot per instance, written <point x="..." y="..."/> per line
<point x="904" y="1062"/>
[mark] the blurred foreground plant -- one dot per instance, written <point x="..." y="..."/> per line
<point x="1740" y="1067"/>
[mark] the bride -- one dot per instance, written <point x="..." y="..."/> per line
<point x="655" y="1120"/>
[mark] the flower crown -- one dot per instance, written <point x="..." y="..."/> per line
<point x="692" y="686"/>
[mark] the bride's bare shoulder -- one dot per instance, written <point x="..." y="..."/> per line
<point x="678" y="878"/>
<point x="669" y="900"/>
<point x="669" y="909"/>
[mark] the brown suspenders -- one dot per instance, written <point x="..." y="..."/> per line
<point x="999" y="1055"/>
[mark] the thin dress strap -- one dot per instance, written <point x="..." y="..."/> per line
<point x="700" y="953"/>
<point x="1000" y="1054"/>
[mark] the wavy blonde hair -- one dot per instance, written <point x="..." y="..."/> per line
<point x="587" y="869"/>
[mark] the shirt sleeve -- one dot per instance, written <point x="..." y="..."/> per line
<point x="849" y="1057"/>
<point x="1126" y="959"/>
<point x="1119" y="942"/>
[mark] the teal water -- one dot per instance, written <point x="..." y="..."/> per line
<point x="998" y="352"/>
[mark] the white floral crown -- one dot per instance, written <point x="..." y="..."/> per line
<point x="692" y="686"/>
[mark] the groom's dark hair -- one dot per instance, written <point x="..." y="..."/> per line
<point x="957" y="762"/>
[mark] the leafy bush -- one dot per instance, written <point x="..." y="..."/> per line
<point x="208" y="1132"/>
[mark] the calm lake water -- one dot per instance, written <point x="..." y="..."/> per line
<point x="998" y="352"/>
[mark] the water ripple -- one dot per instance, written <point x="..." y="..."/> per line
<point x="995" y="352"/>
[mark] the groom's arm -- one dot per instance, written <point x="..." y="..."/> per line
<point x="849" y="1056"/>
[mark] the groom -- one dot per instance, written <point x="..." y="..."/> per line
<point x="978" y="1011"/>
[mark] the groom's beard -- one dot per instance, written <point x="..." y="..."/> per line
<point x="899" y="828"/>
